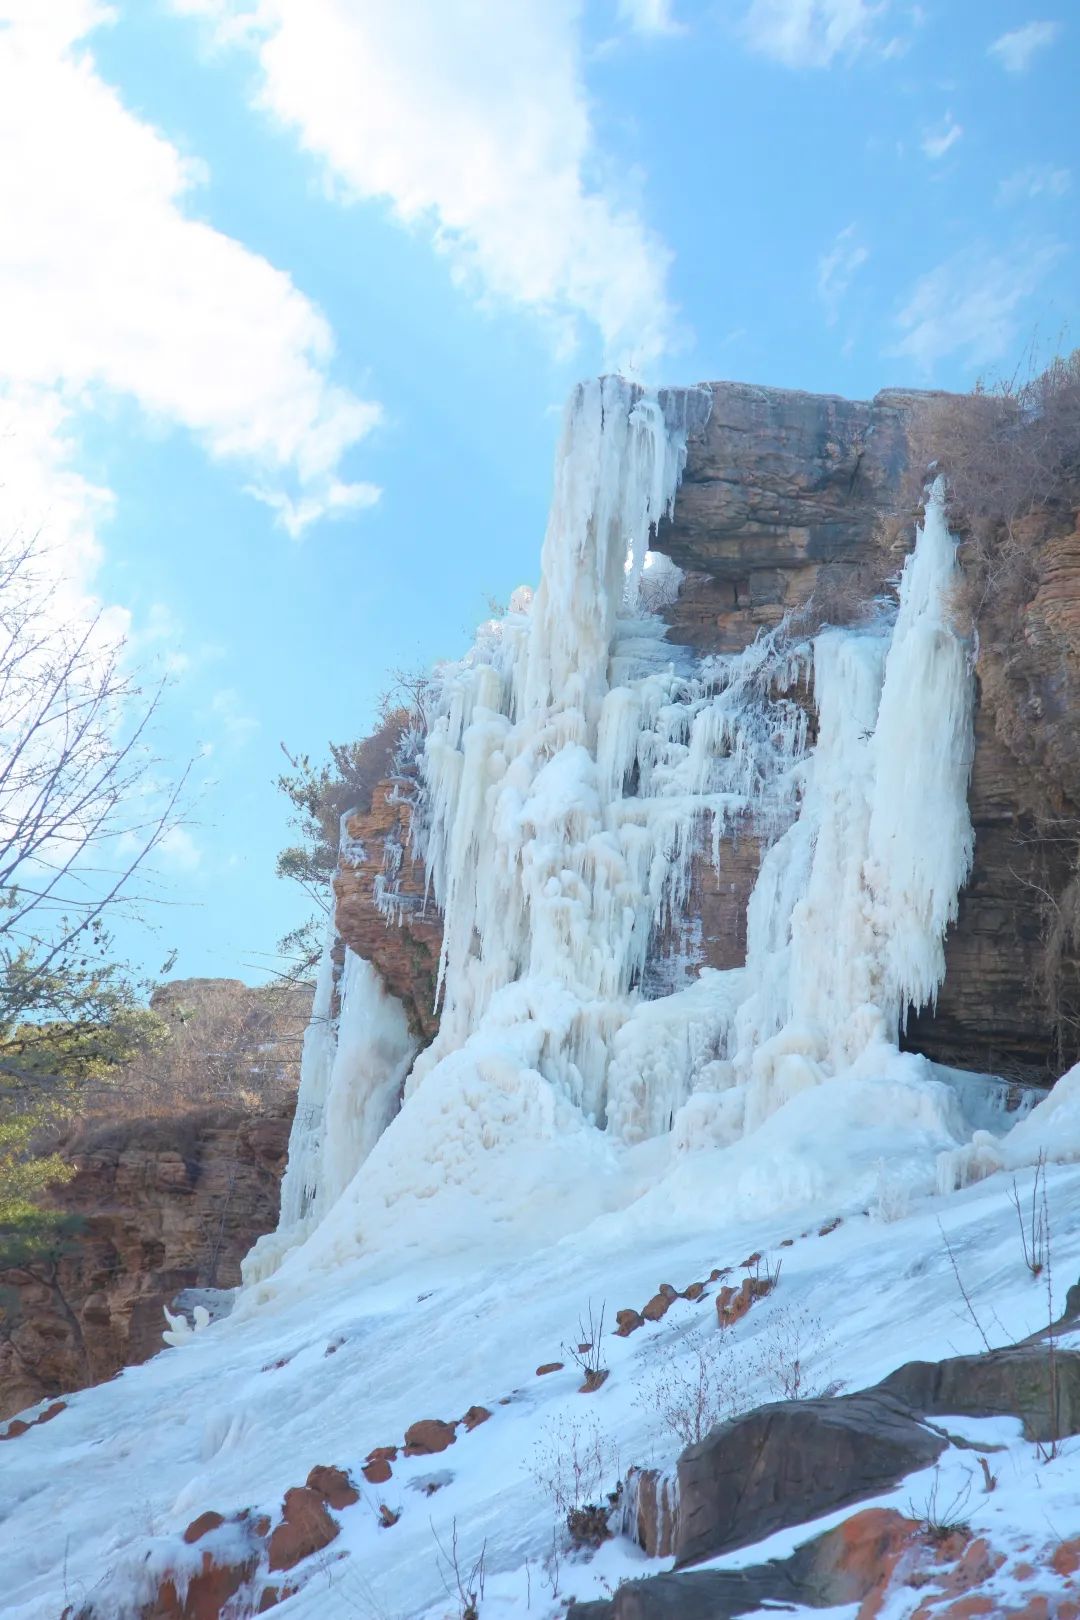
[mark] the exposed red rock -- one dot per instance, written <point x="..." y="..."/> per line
<point x="203" y="1525"/>
<point x="428" y="1436"/>
<point x="163" y="1204"/>
<point x="334" y="1486"/>
<point x="403" y="948"/>
<point x="733" y="1303"/>
<point x="474" y="1417"/>
<point x="306" y="1527"/>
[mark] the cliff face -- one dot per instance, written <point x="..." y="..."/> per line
<point x="381" y="912"/>
<point x="790" y="504"/>
<point x="158" y="1205"/>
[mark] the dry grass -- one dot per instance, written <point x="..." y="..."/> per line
<point x="1009" y="454"/>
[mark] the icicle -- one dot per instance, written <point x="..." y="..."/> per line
<point x="351" y="1074"/>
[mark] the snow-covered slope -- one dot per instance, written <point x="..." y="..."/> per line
<point x="574" y="1135"/>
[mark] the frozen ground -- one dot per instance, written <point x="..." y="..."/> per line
<point x="94" y="1502"/>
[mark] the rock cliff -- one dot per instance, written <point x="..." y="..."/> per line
<point x="157" y="1205"/>
<point x="800" y="503"/>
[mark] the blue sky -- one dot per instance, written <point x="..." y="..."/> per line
<point x="291" y="292"/>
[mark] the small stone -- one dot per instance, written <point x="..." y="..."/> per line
<point x="657" y="1307"/>
<point x="203" y="1525"/>
<point x="377" y="1471"/>
<point x="668" y="1291"/>
<point x="754" y="1260"/>
<point x="334" y="1486"/>
<point x="550" y="1367"/>
<point x="474" y="1417"/>
<point x="593" y="1379"/>
<point x="830" y="1226"/>
<point x="694" y="1291"/>
<point x="388" y="1516"/>
<point x="428" y="1436"/>
<point x="628" y="1322"/>
<point x="14" y="1429"/>
<point x="386" y="1453"/>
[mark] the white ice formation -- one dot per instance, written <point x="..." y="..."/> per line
<point x="576" y="768"/>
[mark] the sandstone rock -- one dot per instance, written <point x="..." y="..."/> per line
<point x="334" y="1486"/>
<point x="144" y="1234"/>
<point x="406" y="955"/>
<point x="594" y="1377"/>
<point x="428" y="1436"/>
<point x="306" y="1527"/>
<point x="474" y="1417"/>
<point x="550" y="1367"/>
<point x="781" y="501"/>
<point x="732" y="1304"/>
<point x="658" y="1306"/>
<point x="205" y="1593"/>
<point x="383" y="1453"/>
<point x="203" y="1525"/>
<point x="627" y="1322"/>
<point x="650" y="1510"/>
<point x="693" y="1291"/>
<point x="377" y="1471"/>
<point x="848" y="1565"/>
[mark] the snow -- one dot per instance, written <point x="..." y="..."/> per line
<point x="219" y="1423"/>
<point x="573" y="1137"/>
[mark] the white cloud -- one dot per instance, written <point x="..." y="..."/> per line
<point x="971" y="305"/>
<point x="649" y="16"/>
<point x="936" y="142"/>
<point x="472" y="122"/>
<point x="814" y="33"/>
<point x="227" y="711"/>
<point x="1037" y="180"/>
<point x="178" y="851"/>
<point x="110" y="287"/>
<point x="1015" y="50"/>
<point x="838" y="268"/>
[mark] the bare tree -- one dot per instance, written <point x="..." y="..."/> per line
<point x="81" y="808"/>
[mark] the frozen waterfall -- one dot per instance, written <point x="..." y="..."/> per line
<point x="576" y="766"/>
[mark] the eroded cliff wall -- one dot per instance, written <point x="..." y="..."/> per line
<point x="802" y="503"/>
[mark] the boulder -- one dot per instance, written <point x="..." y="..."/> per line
<point x="334" y="1486"/>
<point x="1036" y="1382"/>
<point x="306" y="1527"/>
<point x="848" y="1565"/>
<point x="791" y="1461"/>
<point x="428" y="1436"/>
<point x="627" y="1322"/>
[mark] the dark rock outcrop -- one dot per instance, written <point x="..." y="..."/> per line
<point x="791" y="1461"/>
